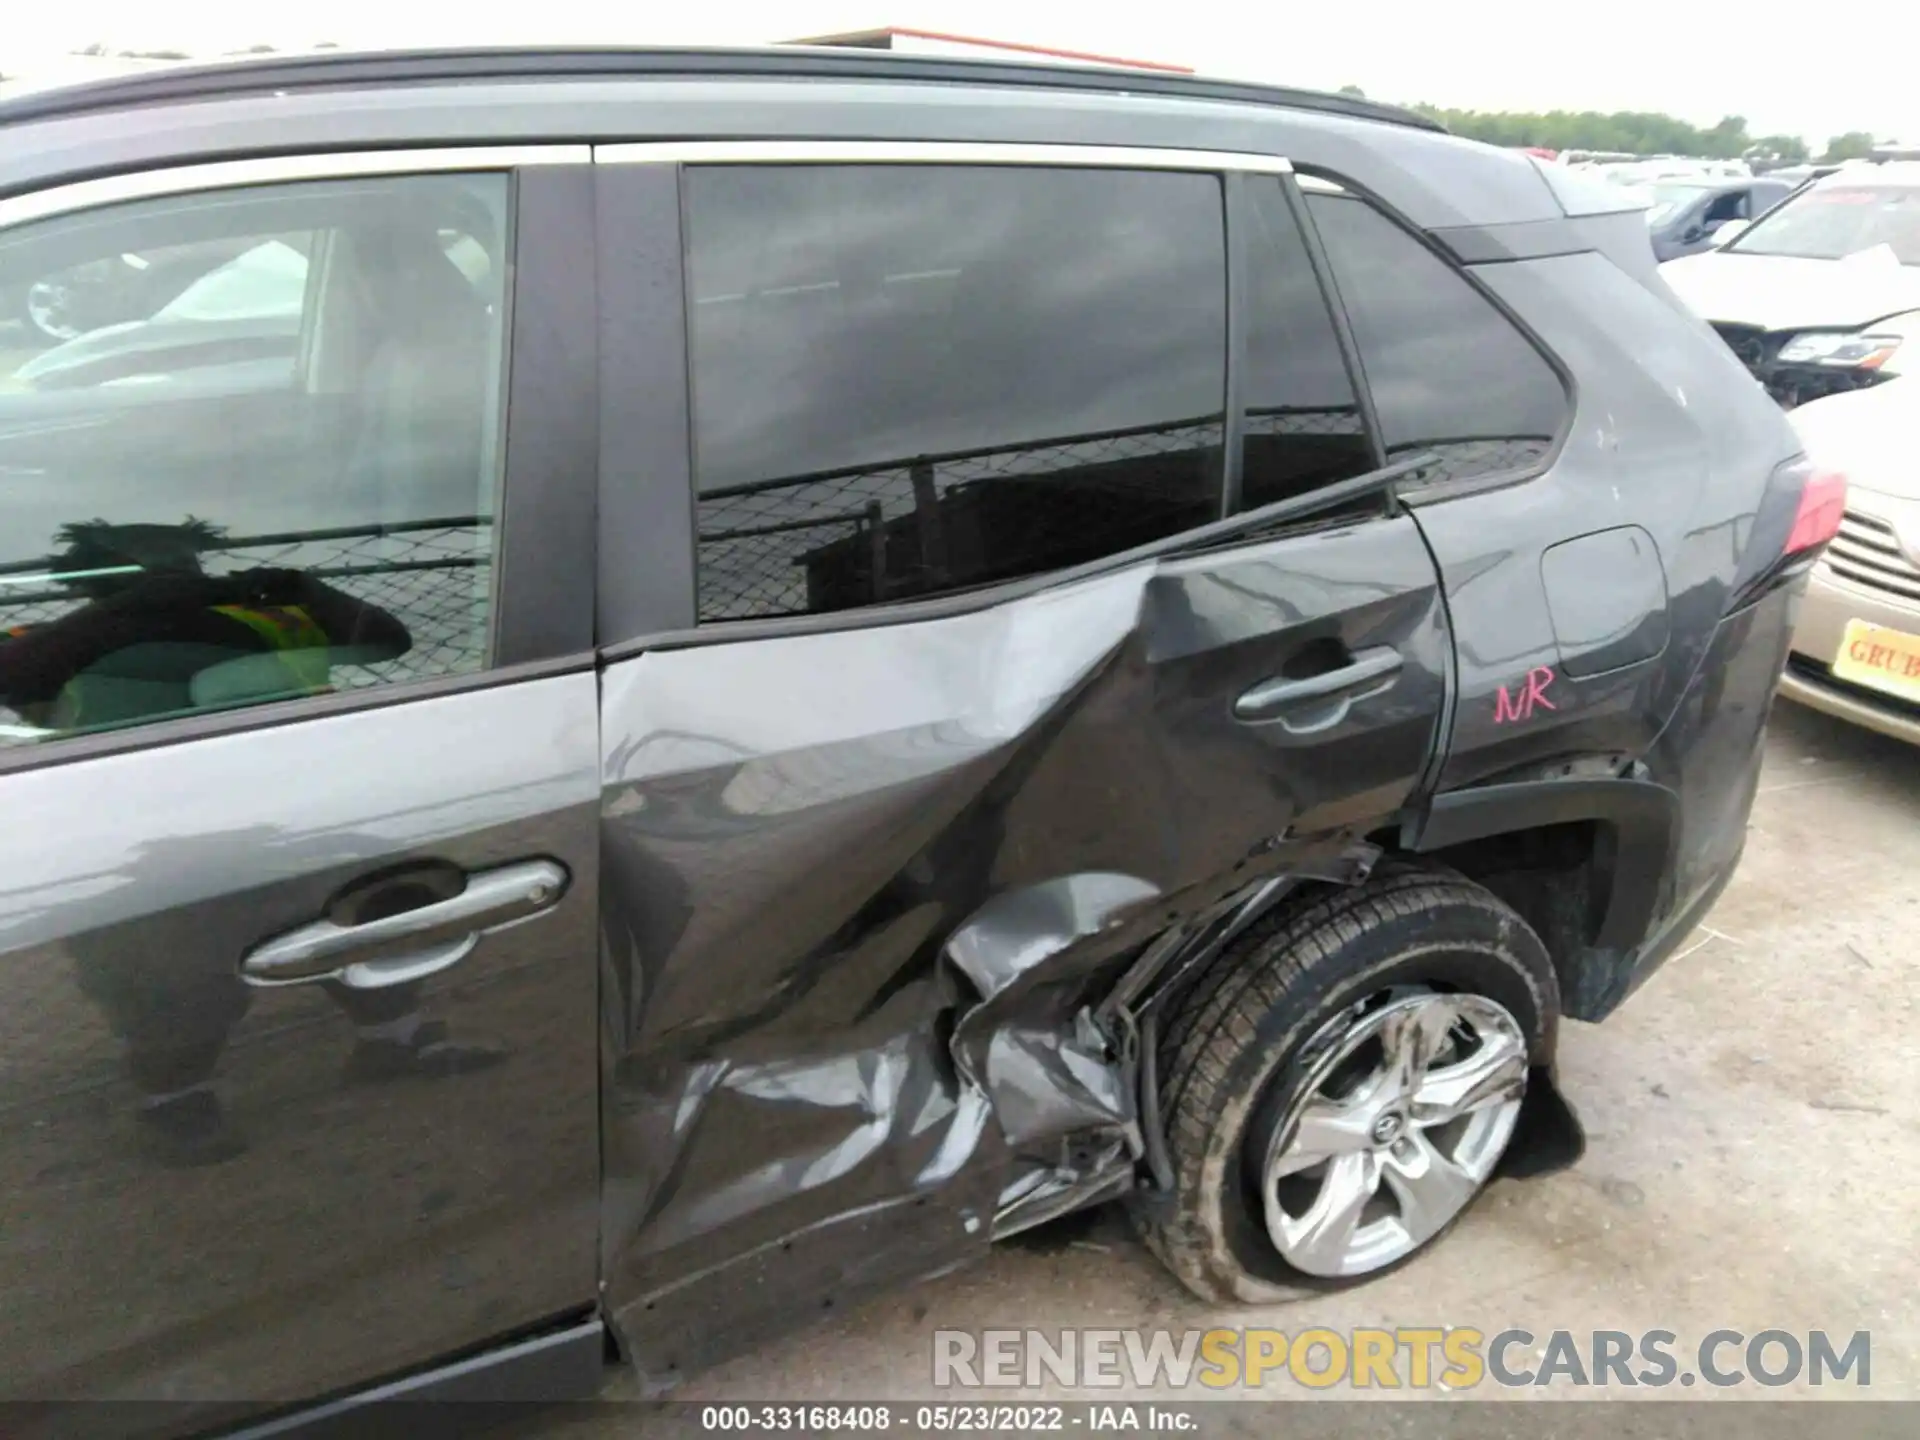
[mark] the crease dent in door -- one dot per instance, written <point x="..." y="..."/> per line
<point x="864" y="891"/>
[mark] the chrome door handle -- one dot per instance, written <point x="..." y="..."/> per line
<point x="413" y="944"/>
<point x="1376" y="667"/>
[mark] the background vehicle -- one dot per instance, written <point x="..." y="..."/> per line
<point x="869" y="699"/>
<point x="1798" y="175"/>
<point x="1821" y="295"/>
<point x="108" y="291"/>
<point x="1856" y="648"/>
<point x="1685" y="216"/>
<point x="241" y="317"/>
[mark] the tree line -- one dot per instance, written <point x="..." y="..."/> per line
<point x="1635" y="132"/>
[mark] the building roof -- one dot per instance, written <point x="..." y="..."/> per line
<point x="883" y="39"/>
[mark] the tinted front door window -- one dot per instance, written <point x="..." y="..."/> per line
<point x="910" y="380"/>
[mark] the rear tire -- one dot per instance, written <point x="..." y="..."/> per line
<point x="1322" y="1021"/>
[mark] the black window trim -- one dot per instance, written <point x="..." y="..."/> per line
<point x="1233" y="430"/>
<point x="646" y="579"/>
<point x="1299" y="183"/>
<point x="1342" y="325"/>
<point x="542" y="611"/>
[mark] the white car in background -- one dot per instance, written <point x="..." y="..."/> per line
<point x="1822" y="294"/>
<point x="1856" y="647"/>
<point x="1821" y="299"/>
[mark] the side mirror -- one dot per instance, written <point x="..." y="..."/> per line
<point x="1729" y="230"/>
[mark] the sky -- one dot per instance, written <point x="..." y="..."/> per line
<point x="1698" y="59"/>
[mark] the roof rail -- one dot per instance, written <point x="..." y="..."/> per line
<point x="341" y="69"/>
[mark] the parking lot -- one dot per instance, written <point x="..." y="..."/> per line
<point x="1750" y="1157"/>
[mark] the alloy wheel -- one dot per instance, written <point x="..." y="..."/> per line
<point x="1410" y="1101"/>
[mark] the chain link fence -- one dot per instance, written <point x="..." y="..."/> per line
<point x="1334" y="421"/>
<point x="433" y="576"/>
<point x="772" y="547"/>
<point x="1456" y="459"/>
<point x="1464" y="459"/>
<point x="911" y="527"/>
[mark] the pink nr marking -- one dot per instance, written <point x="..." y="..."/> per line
<point x="1506" y="709"/>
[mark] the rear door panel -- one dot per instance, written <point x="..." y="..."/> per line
<point x="1224" y="624"/>
<point x="796" y="827"/>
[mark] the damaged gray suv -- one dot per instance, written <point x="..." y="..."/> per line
<point x="677" y="686"/>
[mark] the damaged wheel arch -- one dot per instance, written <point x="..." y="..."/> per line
<point x="1586" y="858"/>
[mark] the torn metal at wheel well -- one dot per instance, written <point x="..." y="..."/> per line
<point x="1062" y="970"/>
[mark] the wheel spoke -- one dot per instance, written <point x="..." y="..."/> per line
<point x="1318" y="1241"/>
<point x="1494" y="1073"/>
<point x="1326" y="1128"/>
<point x="1431" y="1189"/>
<point x="1411" y="1038"/>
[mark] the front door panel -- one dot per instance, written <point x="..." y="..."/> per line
<point x="795" y="827"/>
<point x="349" y="1223"/>
<point x="298" y="1069"/>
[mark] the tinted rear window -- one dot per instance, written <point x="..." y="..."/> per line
<point x="1448" y="372"/>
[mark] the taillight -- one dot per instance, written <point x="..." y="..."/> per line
<point x="1799" y="512"/>
<point x="1823" y="501"/>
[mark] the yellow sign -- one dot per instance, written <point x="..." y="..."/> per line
<point x="1883" y="659"/>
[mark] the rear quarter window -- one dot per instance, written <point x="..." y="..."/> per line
<point x="1448" y="372"/>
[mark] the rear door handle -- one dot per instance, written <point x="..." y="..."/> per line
<point x="1370" y="671"/>
<point x="413" y="944"/>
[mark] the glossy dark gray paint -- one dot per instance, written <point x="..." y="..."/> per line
<point x="463" y="1398"/>
<point x="364" y="1232"/>
<point x="1670" y="436"/>
<point x="1622" y="239"/>
<point x="822" y="1078"/>
<point x="1524" y="240"/>
<point x="865" y="887"/>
